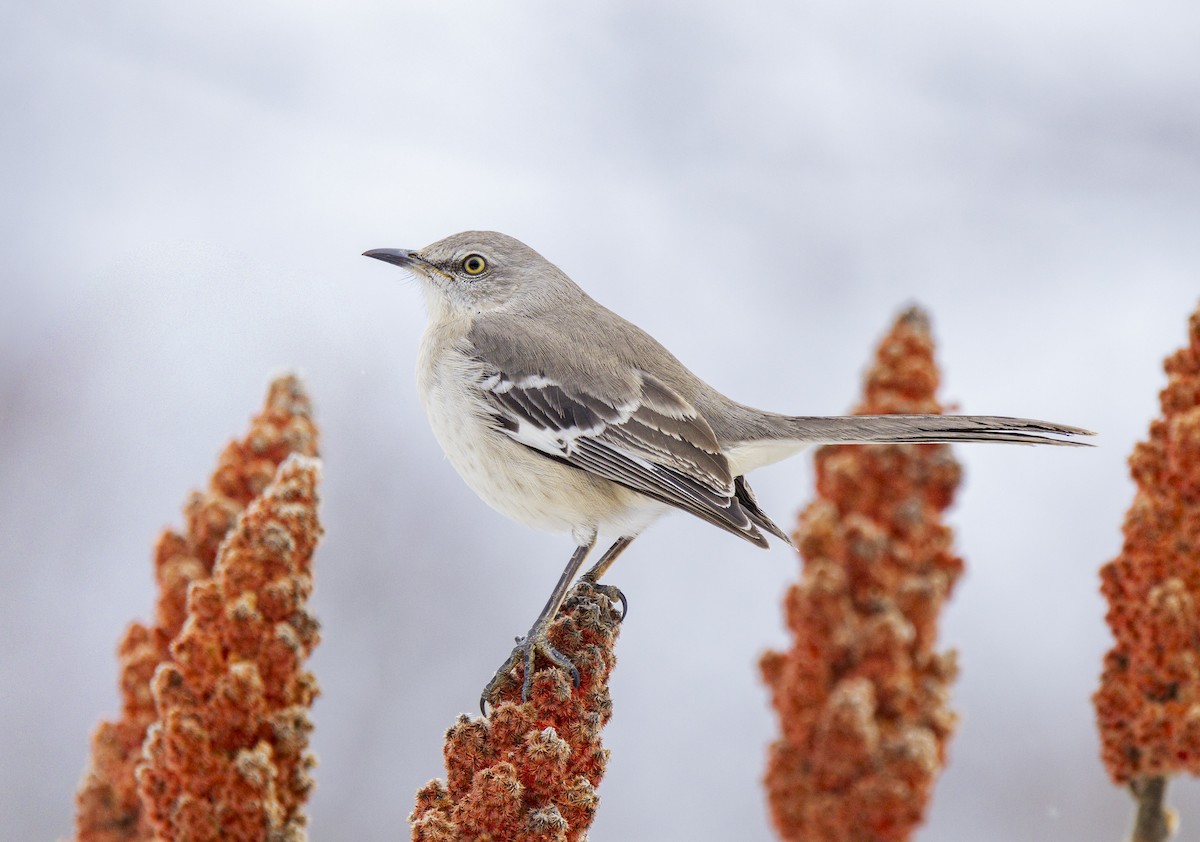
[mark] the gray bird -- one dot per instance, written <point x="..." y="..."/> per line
<point x="566" y="417"/>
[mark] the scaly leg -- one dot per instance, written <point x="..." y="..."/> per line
<point x="592" y="577"/>
<point x="538" y="640"/>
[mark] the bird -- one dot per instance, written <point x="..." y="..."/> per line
<point x="566" y="417"/>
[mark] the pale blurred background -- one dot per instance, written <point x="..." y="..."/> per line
<point x="763" y="185"/>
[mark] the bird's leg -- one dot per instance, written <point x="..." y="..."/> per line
<point x="538" y="638"/>
<point x="592" y="577"/>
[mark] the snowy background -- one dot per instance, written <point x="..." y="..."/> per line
<point x="185" y="192"/>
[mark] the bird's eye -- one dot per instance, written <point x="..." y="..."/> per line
<point x="474" y="264"/>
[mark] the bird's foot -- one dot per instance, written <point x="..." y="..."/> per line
<point x="613" y="593"/>
<point x="527" y="648"/>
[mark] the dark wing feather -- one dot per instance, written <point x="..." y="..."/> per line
<point x="651" y="441"/>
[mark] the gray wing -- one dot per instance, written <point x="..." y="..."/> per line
<point x="642" y="435"/>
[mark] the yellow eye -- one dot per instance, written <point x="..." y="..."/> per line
<point x="474" y="264"/>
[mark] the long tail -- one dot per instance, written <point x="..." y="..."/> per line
<point x="932" y="429"/>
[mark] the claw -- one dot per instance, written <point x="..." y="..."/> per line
<point x="500" y="675"/>
<point x="526" y="650"/>
<point x="613" y="593"/>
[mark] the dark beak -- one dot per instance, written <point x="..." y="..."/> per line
<point x="401" y="257"/>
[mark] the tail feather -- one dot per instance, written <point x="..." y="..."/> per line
<point x="929" y="429"/>
<point x="757" y="516"/>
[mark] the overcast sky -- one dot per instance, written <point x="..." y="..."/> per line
<point x="185" y="192"/>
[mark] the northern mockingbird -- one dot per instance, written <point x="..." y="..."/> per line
<point x="564" y="416"/>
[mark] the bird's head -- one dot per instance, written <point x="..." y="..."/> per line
<point x="481" y="271"/>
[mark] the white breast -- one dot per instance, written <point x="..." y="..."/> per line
<point x="514" y="480"/>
